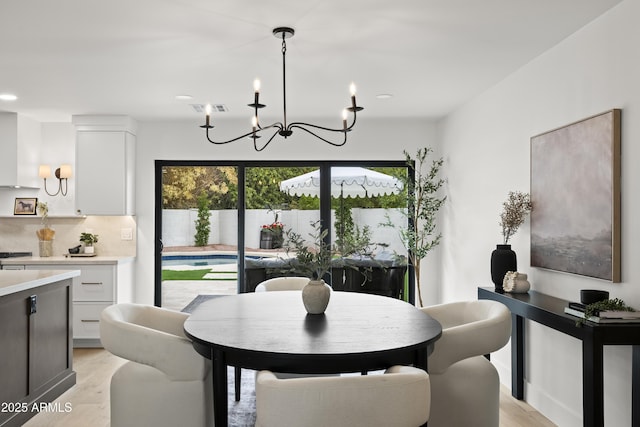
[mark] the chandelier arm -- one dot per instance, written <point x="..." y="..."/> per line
<point x="227" y="142"/>
<point x="301" y="124"/>
<point x="335" y="144"/>
<point x="276" y="124"/>
<point x="255" y="140"/>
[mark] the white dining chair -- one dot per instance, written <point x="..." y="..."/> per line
<point x="399" y="397"/>
<point x="282" y="284"/>
<point x="165" y="382"/>
<point x="465" y="387"/>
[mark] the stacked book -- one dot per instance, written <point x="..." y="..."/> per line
<point x="577" y="309"/>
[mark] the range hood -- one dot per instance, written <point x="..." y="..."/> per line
<point x="19" y="139"/>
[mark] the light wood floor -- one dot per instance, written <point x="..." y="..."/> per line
<point x="90" y="397"/>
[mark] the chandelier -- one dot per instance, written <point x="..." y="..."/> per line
<point x="283" y="128"/>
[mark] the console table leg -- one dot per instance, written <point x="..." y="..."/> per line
<point x="220" y="404"/>
<point x="517" y="356"/>
<point x="635" y="386"/>
<point x="592" y="383"/>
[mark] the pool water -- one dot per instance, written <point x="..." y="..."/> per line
<point x="200" y="260"/>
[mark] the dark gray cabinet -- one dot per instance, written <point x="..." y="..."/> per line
<point x="36" y="351"/>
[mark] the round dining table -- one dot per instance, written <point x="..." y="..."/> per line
<point x="271" y="330"/>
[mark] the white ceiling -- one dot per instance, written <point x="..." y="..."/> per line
<point x="134" y="56"/>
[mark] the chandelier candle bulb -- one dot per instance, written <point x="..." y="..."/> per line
<point x="256" y="85"/>
<point x="254" y="122"/>
<point x="207" y="112"/>
<point x="352" y="89"/>
<point x="344" y="120"/>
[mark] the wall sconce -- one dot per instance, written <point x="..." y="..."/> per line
<point x="62" y="173"/>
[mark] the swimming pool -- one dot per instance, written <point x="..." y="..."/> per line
<point x="201" y="259"/>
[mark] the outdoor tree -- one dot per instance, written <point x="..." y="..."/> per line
<point x="182" y="185"/>
<point x="420" y="237"/>
<point x="203" y="223"/>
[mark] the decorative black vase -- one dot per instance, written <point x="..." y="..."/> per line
<point x="503" y="259"/>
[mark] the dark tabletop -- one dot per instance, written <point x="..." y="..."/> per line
<point x="254" y="327"/>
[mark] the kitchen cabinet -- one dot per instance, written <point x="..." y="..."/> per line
<point x="35" y="338"/>
<point x="105" y="159"/>
<point x="97" y="287"/>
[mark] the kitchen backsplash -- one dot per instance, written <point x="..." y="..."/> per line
<point x="19" y="234"/>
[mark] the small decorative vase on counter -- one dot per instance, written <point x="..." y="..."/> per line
<point x="315" y="296"/>
<point x="89" y="249"/>
<point x="516" y="283"/>
<point x="45" y="248"/>
<point x="503" y="259"/>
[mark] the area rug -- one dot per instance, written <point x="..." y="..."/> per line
<point x="242" y="413"/>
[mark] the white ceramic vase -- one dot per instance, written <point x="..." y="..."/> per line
<point x="516" y="283"/>
<point x="89" y="249"/>
<point x="315" y="296"/>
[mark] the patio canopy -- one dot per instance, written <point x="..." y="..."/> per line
<point x="345" y="182"/>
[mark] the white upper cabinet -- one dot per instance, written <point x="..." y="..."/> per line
<point x="105" y="158"/>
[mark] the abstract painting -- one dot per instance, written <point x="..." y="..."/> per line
<point x="575" y="192"/>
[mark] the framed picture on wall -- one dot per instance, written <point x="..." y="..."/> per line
<point x="575" y="192"/>
<point x="25" y="206"/>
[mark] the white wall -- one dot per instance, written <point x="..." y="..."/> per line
<point x="373" y="139"/>
<point x="486" y="148"/>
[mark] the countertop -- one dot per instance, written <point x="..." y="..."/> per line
<point x="12" y="281"/>
<point x="62" y="260"/>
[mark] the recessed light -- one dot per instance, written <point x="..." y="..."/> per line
<point x="8" y="97"/>
<point x="384" y="96"/>
<point x="184" y="97"/>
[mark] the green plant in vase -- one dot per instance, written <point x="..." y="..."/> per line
<point x="88" y="239"/>
<point x="312" y="257"/>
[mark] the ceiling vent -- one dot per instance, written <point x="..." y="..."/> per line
<point x="216" y="108"/>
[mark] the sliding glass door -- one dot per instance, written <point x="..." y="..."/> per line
<point x="217" y="223"/>
<point x="199" y="218"/>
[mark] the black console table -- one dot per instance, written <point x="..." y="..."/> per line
<point x="549" y="311"/>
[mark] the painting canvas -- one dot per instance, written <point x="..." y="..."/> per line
<point x="575" y="192"/>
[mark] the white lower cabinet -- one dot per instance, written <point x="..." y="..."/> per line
<point x="97" y="287"/>
<point x="86" y="322"/>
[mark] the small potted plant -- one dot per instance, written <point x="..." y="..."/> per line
<point x="271" y="235"/>
<point x="88" y="239"/>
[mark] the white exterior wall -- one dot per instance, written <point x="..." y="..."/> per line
<point x="179" y="225"/>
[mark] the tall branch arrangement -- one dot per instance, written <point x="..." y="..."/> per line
<point x="514" y="211"/>
<point x="314" y="255"/>
<point x="419" y="238"/>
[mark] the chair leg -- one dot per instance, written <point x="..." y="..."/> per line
<point x="237" y="380"/>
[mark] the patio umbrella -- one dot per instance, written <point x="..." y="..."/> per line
<point x="345" y="182"/>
